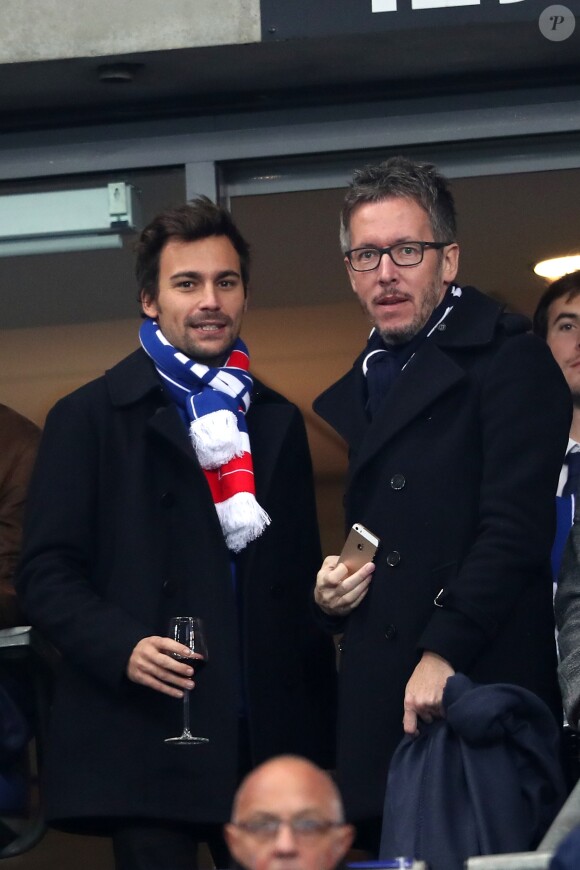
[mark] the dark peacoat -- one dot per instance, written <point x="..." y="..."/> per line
<point x="121" y="534"/>
<point x="456" y="475"/>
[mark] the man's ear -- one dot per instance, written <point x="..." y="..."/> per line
<point x="148" y="305"/>
<point x="231" y="837"/>
<point x="237" y="846"/>
<point x="450" y="265"/>
<point x="344" y="839"/>
<point x="350" y="272"/>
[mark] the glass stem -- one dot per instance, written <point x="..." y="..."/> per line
<point x="186" y="712"/>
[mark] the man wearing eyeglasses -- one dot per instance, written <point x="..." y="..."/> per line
<point x="288" y="815"/>
<point x="456" y="420"/>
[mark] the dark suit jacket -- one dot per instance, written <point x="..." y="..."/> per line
<point x="456" y="475"/>
<point x="121" y="535"/>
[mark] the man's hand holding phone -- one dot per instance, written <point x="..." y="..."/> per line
<point x="343" y="581"/>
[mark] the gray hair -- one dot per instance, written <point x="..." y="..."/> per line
<point x="401" y="177"/>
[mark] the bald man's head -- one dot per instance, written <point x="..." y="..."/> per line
<point x="287" y="815"/>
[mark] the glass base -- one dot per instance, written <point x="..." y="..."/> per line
<point x="185" y="739"/>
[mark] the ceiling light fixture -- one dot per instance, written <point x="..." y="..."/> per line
<point x="557" y="266"/>
<point x="118" y="73"/>
<point x="68" y="220"/>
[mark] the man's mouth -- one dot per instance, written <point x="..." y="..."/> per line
<point x="209" y="326"/>
<point x="392" y="299"/>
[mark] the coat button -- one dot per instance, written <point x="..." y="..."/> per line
<point x="398" y="481"/>
<point x="276" y="590"/>
<point x="169" y="588"/>
<point x="393" y="559"/>
<point x="390" y="632"/>
<point x="167" y="499"/>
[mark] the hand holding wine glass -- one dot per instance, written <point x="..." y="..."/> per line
<point x="189" y="631"/>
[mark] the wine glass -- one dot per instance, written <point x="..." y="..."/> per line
<point x="189" y="631"/>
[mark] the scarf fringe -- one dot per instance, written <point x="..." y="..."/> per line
<point x="242" y="520"/>
<point x="216" y="438"/>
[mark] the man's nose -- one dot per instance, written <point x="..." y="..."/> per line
<point x="386" y="268"/>
<point x="209" y="297"/>
<point x="285" y="838"/>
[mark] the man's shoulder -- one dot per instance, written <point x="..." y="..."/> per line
<point x="122" y="384"/>
<point x="479" y="320"/>
<point x="263" y="395"/>
<point x="271" y="412"/>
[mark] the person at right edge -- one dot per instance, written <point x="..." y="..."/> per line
<point x="456" y="420"/>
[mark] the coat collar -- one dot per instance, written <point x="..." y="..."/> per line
<point x="472" y="323"/>
<point x="131" y="379"/>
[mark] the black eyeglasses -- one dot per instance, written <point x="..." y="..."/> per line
<point x="302" y="827"/>
<point x="403" y="254"/>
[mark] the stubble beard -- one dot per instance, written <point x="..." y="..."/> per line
<point x="403" y="334"/>
<point x="200" y="353"/>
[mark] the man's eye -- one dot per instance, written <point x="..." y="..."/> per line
<point x="408" y="250"/>
<point x="364" y="254"/>
<point x="307" y="826"/>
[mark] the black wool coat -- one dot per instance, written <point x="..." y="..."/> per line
<point x="457" y="475"/>
<point x="121" y="534"/>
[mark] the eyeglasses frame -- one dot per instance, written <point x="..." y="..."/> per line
<point x="325" y="825"/>
<point x="437" y="246"/>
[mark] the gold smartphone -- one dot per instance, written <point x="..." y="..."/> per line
<point x="359" y="548"/>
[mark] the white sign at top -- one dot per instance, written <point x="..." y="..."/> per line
<point x="391" y="5"/>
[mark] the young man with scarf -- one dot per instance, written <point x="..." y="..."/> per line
<point x="176" y="485"/>
<point x="456" y="420"/>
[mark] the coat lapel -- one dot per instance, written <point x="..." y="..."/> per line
<point x="167" y="423"/>
<point x="132" y="380"/>
<point x="267" y="428"/>
<point x="342" y="405"/>
<point x="428" y="375"/>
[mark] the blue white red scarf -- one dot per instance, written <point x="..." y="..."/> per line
<point x="216" y="401"/>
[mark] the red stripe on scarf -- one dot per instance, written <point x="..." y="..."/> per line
<point x="239" y="360"/>
<point x="236" y="476"/>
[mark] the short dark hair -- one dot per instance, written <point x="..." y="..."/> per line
<point x="401" y="177"/>
<point x="567" y="285"/>
<point x="197" y="219"/>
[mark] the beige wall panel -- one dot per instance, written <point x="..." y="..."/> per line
<point x="55" y="29"/>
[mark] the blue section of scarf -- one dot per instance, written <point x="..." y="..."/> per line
<point x="197" y="391"/>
